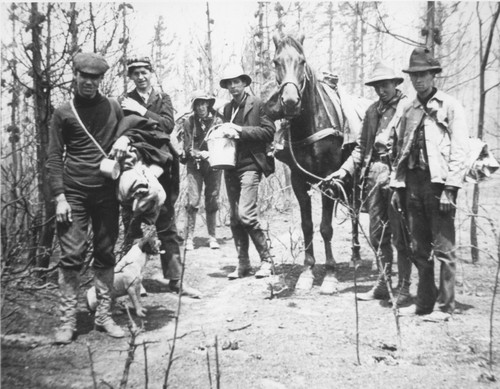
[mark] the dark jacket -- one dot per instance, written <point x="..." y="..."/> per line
<point x="257" y="132"/>
<point x="194" y="136"/>
<point x="159" y="108"/>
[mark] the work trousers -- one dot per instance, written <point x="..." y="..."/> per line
<point x="432" y="235"/>
<point x="99" y="206"/>
<point x="386" y="224"/>
<point x="197" y="175"/>
<point x="242" y="192"/>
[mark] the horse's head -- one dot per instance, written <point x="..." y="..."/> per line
<point x="291" y="73"/>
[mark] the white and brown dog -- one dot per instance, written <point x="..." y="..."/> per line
<point x="128" y="275"/>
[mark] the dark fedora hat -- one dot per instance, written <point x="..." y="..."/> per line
<point x="232" y="72"/>
<point x="422" y="60"/>
<point x="382" y="72"/>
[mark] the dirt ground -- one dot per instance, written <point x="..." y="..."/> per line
<point x="294" y="340"/>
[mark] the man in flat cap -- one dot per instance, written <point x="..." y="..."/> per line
<point x="145" y="101"/>
<point x="431" y="166"/>
<point x="374" y="154"/>
<point x="82" y="193"/>
<point x="254" y="131"/>
<point x="199" y="171"/>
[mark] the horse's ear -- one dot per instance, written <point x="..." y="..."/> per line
<point x="301" y="38"/>
<point x="276" y="40"/>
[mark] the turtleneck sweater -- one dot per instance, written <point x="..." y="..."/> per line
<point x="73" y="157"/>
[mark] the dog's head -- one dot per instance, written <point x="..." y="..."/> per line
<point x="149" y="245"/>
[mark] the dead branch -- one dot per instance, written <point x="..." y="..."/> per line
<point x="92" y="371"/>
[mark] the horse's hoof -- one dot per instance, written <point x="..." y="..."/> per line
<point x="329" y="285"/>
<point x="305" y="281"/>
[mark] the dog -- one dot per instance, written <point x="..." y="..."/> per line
<point x="128" y="275"/>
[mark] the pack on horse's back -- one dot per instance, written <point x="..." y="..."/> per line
<point x="319" y="133"/>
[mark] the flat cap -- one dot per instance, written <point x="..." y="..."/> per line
<point x="90" y="63"/>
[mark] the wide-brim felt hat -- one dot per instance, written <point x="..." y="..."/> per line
<point x="383" y="72"/>
<point x="232" y="72"/>
<point x="90" y="63"/>
<point x="422" y="60"/>
<point x="201" y="95"/>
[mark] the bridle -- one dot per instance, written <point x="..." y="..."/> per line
<point x="300" y="90"/>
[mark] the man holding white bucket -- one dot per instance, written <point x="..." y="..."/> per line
<point x="254" y="131"/>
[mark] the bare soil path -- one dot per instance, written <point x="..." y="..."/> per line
<point x="290" y="341"/>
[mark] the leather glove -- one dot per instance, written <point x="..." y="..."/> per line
<point x="130" y="104"/>
<point x="448" y="200"/>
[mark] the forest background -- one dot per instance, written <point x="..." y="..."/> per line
<point x="190" y="44"/>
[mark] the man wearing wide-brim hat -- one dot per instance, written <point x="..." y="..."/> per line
<point x="428" y="174"/>
<point x="374" y="155"/>
<point x="199" y="172"/>
<point x="83" y="194"/>
<point x="254" y="131"/>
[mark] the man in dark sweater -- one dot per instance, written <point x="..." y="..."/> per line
<point x="254" y="130"/>
<point x="82" y="193"/>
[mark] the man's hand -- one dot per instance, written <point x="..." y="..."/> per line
<point x="63" y="210"/>
<point x="448" y="200"/>
<point x="119" y="149"/>
<point x="396" y="201"/>
<point x="130" y="104"/>
<point x="338" y="175"/>
<point x="203" y="154"/>
<point x="229" y="130"/>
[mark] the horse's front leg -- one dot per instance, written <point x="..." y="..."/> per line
<point x="300" y="188"/>
<point x="330" y="283"/>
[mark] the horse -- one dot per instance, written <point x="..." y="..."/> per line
<point x="315" y="147"/>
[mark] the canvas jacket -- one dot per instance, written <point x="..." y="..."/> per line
<point x="257" y="132"/>
<point x="362" y="154"/>
<point x="446" y="140"/>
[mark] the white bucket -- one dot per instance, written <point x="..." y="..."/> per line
<point x="221" y="150"/>
<point x="221" y="153"/>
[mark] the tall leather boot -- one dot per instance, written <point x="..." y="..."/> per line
<point x="259" y="239"/>
<point x="241" y="242"/>
<point x="69" y="282"/>
<point x="379" y="290"/>
<point x="211" y="226"/>
<point x="404" y="279"/>
<point x="103" y="279"/>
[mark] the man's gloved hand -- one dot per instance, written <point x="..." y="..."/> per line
<point x="130" y="104"/>
<point x="448" y="200"/>
<point x="396" y="201"/>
